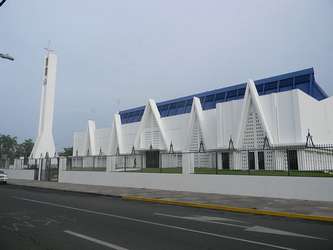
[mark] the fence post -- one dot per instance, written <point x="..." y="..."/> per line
<point x="125" y="162"/>
<point x="216" y="163"/>
<point x="58" y="164"/>
<point x="40" y="165"/>
<point x="248" y="165"/>
<point x="288" y="164"/>
<point x="141" y="163"/>
<point x="48" y="166"/>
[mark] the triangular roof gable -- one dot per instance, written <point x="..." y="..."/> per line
<point x="151" y="110"/>
<point x="251" y="94"/>
<point x="116" y="136"/>
<point x="91" y="137"/>
<point x="196" y="112"/>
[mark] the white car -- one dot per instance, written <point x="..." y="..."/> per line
<point x="3" y="177"/>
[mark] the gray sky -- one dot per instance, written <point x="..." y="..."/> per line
<point x="134" y="50"/>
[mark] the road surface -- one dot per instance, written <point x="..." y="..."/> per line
<point x="44" y="219"/>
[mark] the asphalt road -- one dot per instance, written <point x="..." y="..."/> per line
<point x="41" y="219"/>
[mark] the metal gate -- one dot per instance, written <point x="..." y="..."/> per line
<point x="32" y="164"/>
<point x="152" y="159"/>
<point x="49" y="169"/>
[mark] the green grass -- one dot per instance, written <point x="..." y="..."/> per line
<point x="311" y="173"/>
<point x="87" y="169"/>
<point x="219" y="171"/>
<point x="262" y="172"/>
<point x="161" y="170"/>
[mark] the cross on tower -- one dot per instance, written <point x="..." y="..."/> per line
<point x="48" y="48"/>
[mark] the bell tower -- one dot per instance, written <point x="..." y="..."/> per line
<point x="44" y="143"/>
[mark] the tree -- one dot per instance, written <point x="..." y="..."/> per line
<point x="11" y="149"/>
<point x="67" y="152"/>
<point x="8" y="146"/>
<point x="24" y="149"/>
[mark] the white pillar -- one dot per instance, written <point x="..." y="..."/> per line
<point x="188" y="163"/>
<point x="40" y="165"/>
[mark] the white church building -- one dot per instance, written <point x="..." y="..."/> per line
<point x="236" y="127"/>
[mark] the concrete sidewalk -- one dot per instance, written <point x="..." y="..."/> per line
<point x="304" y="209"/>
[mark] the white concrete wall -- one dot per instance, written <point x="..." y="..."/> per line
<point x="228" y="116"/>
<point x="103" y="139"/>
<point x="210" y="125"/>
<point x="176" y="128"/>
<point x="304" y="188"/>
<point x="328" y="104"/>
<point x="24" y="174"/>
<point x="317" y="117"/>
<point x="80" y="144"/>
<point x="128" y="135"/>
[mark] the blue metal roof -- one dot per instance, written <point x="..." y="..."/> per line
<point x="303" y="80"/>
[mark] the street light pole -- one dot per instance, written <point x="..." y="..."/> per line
<point x="2" y="2"/>
<point x="6" y="56"/>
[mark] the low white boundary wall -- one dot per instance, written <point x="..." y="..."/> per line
<point x="304" y="188"/>
<point x="24" y="174"/>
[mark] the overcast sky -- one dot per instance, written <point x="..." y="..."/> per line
<point x="116" y="54"/>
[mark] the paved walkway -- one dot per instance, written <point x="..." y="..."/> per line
<point x="312" y="208"/>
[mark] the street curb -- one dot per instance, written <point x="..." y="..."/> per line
<point x="67" y="191"/>
<point x="230" y="208"/>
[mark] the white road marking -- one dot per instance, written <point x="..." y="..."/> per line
<point x="213" y="218"/>
<point x="258" y="229"/>
<point x="156" y="224"/>
<point x="280" y="232"/>
<point x="97" y="241"/>
<point x="202" y="219"/>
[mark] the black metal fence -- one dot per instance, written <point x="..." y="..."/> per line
<point x="116" y="163"/>
<point x="4" y="163"/>
<point x="302" y="160"/>
<point x="283" y="160"/>
<point x="46" y="168"/>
